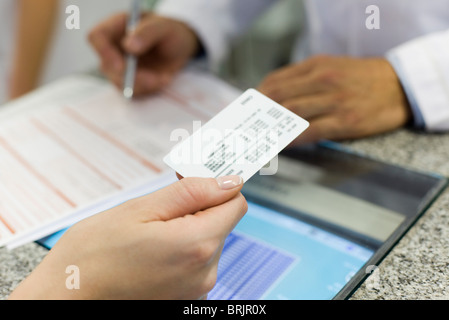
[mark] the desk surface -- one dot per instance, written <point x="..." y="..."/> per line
<point x="417" y="268"/>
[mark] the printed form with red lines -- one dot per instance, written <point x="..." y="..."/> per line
<point x="77" y="147"/>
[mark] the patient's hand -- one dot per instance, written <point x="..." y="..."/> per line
<point x="165" y="245"/>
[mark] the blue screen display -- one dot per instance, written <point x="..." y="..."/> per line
<point x="273" y="256"/>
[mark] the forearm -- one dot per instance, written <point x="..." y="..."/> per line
<point x="35" y="22"/>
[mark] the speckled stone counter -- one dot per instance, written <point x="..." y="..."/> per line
<point x="417" y="268"/>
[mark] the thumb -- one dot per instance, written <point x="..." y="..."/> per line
<point x="189" y="196"/>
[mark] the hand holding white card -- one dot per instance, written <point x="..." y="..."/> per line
<point x="239" y="140"/>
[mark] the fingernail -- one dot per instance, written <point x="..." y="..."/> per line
<point x="229" y="182"/>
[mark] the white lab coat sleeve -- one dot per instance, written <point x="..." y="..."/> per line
<point x="422" y="65"/>
<point x="216" y="22"/>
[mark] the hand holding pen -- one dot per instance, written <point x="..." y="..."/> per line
<point x="160" y="48"/>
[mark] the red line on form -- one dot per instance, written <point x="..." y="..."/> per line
<point x="19" y="158"/>
<point x="174" y="96"/>
<point x="105" y="135"/>
<point x="44" y="129"/>
<point x="5" y="223"/>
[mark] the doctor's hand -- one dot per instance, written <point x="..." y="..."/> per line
<point x="165" y="245"/>
<point x="163" y="46"/>
<point x="343" y="98"/>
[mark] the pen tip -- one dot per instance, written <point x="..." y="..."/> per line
<point x="128" y="93"/>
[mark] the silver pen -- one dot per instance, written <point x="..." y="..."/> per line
<point x="131" y="60"/>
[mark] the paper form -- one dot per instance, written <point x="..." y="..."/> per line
<point x="60" y="159"/>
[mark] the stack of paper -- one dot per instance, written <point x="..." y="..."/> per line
<point x="76" y="147"/>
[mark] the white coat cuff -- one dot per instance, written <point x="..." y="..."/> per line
<point x="423" y="67"/>
<point x="213" y="40"/>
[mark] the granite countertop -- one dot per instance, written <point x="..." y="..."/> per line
<point x="417" y="268"/>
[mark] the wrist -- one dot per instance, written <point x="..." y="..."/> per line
<point x="52" y="280"/>
<point x="196" y="47"/>
<point x="415" y="116"/>
<point x="386" y="76"/>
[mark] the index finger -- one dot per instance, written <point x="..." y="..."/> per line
<point x="105" y="39"/>
<point x="299" y="69"/>
<point x="286" y="73"/>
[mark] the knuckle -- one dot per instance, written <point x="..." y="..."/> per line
<point x="328" y="76"/>
<point x="274" y="93"/>
<point x="340" y="97"/>
<point x="319" y="58"/>
<point x="95" y="39"/>
<point x="191" y="191"/>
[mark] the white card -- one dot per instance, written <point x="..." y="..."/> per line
<point x="240" y="140"/>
